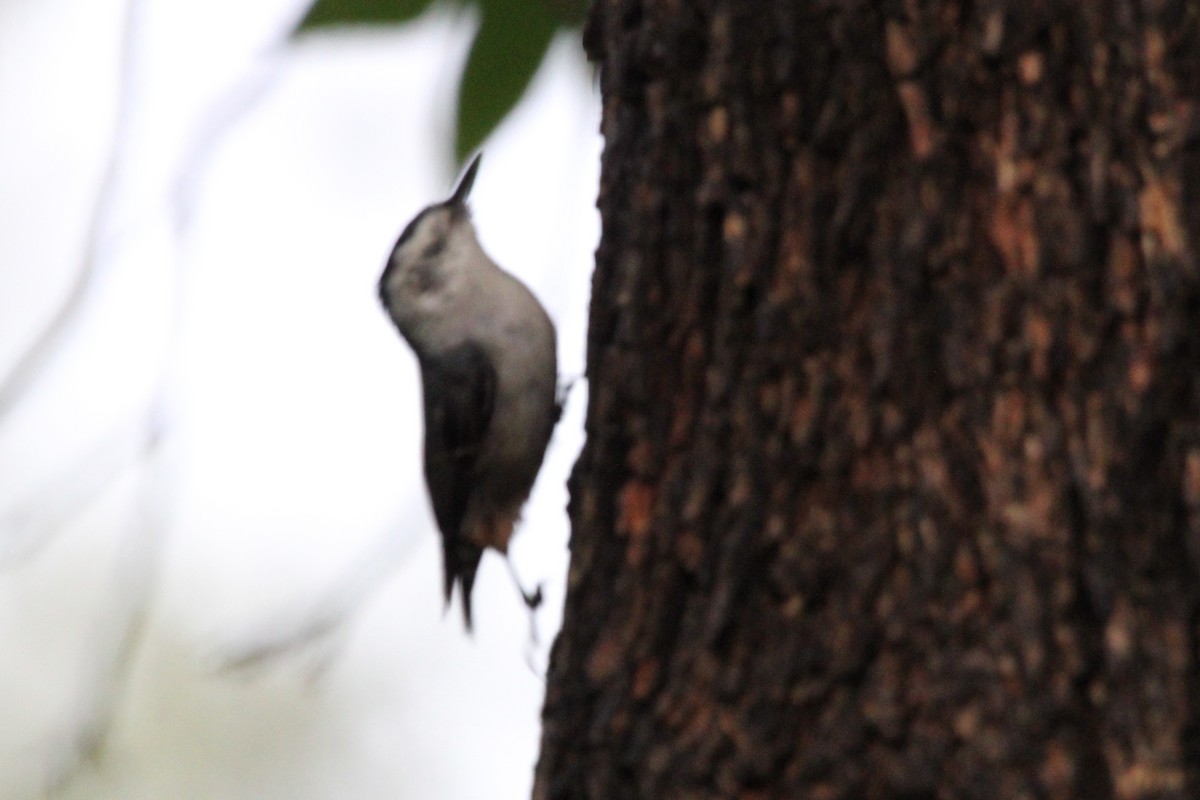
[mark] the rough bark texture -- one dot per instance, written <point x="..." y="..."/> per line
<point x="892" y="481"/>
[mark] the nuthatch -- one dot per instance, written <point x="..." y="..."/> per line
<point x="487" y="354"/>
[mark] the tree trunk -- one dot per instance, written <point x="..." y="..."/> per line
<point x="892" y="480"/>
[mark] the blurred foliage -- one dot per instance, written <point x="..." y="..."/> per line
<point x="334" y="13"/>
<point x="511" y="43"/>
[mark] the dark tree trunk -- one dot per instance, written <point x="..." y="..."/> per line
<point x="892" y="480"/>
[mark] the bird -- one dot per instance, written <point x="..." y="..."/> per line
<point x="486" y="349"/>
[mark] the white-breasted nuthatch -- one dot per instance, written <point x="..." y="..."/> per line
<point x="486" y="350"/>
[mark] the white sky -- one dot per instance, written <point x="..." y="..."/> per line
<point x="291" y="459"/>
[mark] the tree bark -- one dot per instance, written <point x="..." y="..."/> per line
<point x="892" y="478"/>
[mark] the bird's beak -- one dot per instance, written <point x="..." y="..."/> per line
<point x="465" y="183"/>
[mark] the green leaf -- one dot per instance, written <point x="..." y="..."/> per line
<point x="570" y="13"/>
<point x="337" y="13"/>
<point x="512" y="40"/>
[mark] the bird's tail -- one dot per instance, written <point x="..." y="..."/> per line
<point x="460" y="561"/>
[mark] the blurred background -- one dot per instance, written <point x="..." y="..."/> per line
<point x="219" y="574"/>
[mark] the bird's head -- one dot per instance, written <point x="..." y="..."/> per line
<point x="437" y="247"/>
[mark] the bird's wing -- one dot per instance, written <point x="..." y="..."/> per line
<point x="460" y="397"/>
